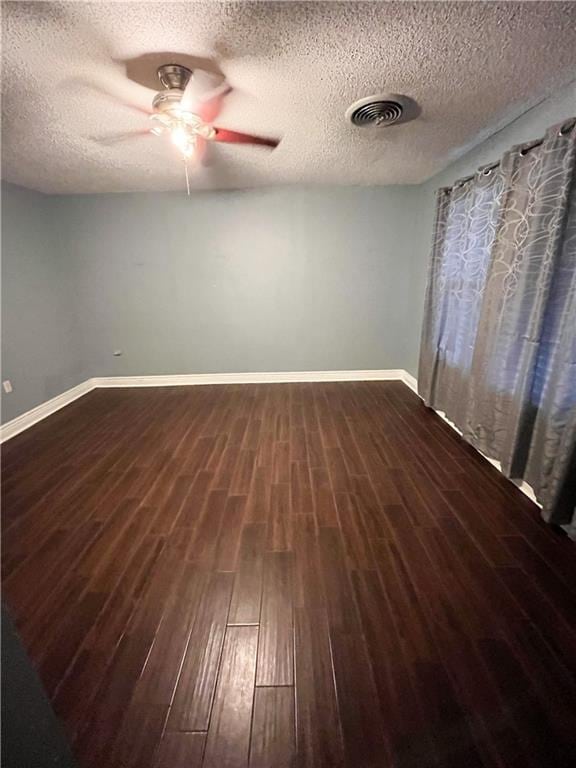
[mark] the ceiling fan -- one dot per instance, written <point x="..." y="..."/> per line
<point x="186" y="107"/>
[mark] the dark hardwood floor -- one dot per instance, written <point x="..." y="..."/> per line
<point x="263" y="576"/>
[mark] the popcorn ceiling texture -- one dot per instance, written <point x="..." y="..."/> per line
<point x="295" y="68"/>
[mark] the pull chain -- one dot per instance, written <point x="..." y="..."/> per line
<point x="187" y="179"/>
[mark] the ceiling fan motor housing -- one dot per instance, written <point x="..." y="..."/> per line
<point x="174" y="76"/>
<point x="174" y="79"/>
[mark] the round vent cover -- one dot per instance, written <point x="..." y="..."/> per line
<point x="377" y="113"/>
<point x="381" y="111"/>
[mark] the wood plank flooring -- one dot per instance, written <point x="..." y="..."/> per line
<point x="306" y="575"/>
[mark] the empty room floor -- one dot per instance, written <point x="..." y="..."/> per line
<point x="286" y="575"/>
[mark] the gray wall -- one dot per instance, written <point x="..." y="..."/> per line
<point x="263" y="280"/>
<point x="41" y="354"/>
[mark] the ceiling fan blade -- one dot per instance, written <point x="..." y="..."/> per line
<point x="201" y="151"/>
<point x="233" y="137"/>
<point x="119" y="87"/>
<point x="117" y="138"/>
<point x="201" y="86"/>
<point x="210" y="105"/>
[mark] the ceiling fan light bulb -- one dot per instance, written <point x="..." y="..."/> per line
<point x="179" y="136"/>
<point x="183" y="140"/>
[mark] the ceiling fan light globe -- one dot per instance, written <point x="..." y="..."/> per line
<point x="190" y="118"/>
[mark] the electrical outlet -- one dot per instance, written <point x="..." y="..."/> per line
<point x="7" y="385"/>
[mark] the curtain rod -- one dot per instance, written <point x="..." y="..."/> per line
<point x="487" y="169"/>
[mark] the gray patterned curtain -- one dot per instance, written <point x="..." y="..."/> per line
<point x="498" y="352"/>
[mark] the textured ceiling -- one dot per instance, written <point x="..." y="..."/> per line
<point x="295" y="68"/>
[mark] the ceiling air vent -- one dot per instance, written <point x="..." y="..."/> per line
<point x="381" y="111"/>
<point x="377" y="113"/>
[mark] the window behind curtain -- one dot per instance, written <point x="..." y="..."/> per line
<point x="470" y="230"/>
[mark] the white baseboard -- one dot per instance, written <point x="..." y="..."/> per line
<point x="410" y="381"/>
<point x="282" y="377"/>
<point x="28" y="419"/>
<point x="521" y="485"/>
<point x="526" y="489"/>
